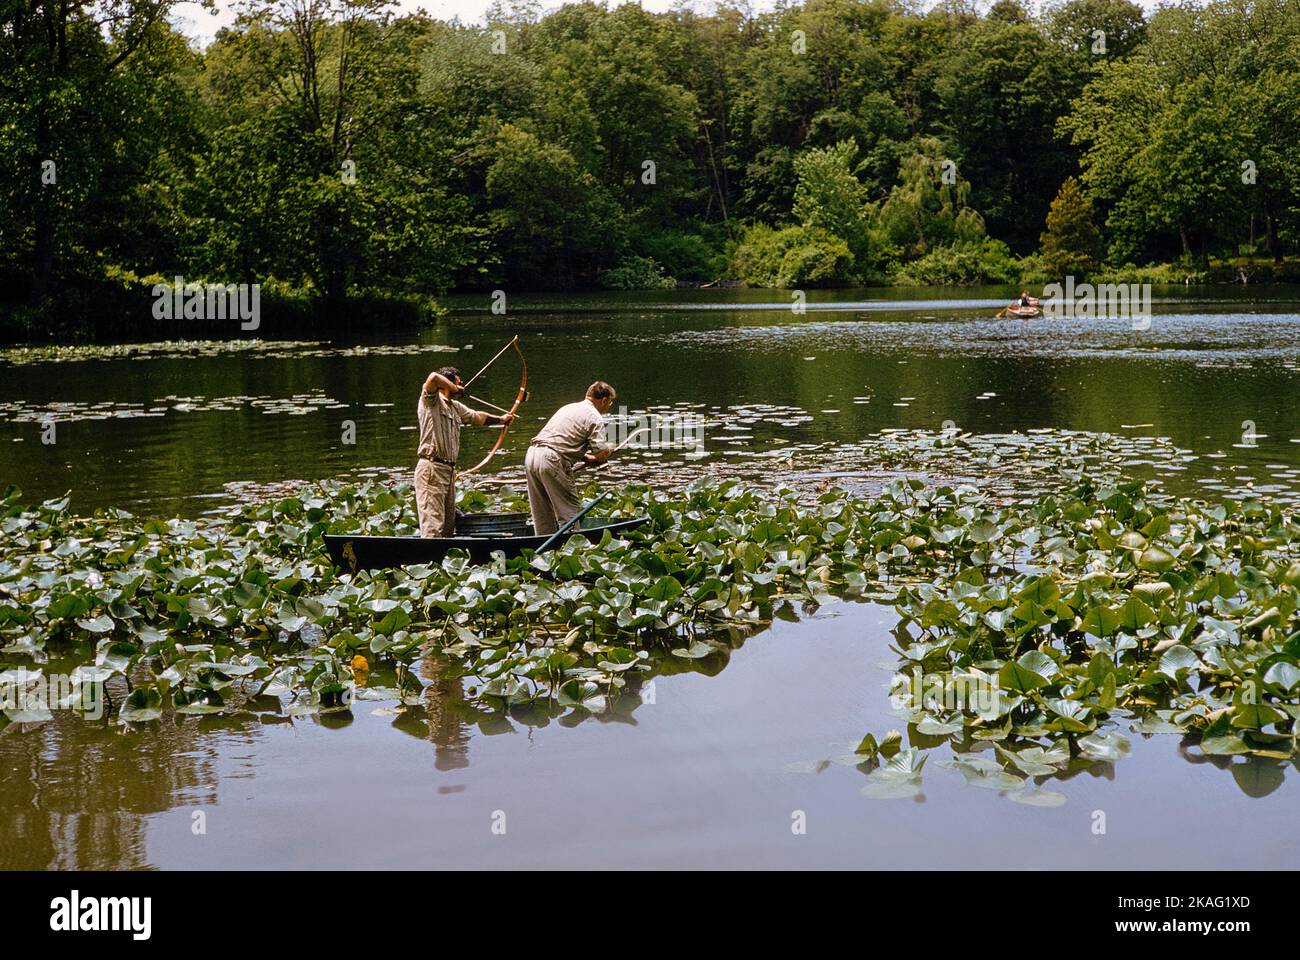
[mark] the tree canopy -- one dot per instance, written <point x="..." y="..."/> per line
<point x="339" y="148"/>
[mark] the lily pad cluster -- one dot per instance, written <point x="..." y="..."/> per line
<point x="1050" y="631"/>
<point x="201" y="616"/>
<point x="1068" y="617"/>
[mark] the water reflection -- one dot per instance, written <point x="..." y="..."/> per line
<point x="166" y="433"/>
<point x="83" y="795"/>
<point x="75" y="794"/>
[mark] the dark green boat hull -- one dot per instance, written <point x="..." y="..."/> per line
<point x="479" y="535"/>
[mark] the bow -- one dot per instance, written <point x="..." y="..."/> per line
<point x="520" y="397"/>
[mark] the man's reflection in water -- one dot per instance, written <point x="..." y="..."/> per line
<point x="444" y="706"/>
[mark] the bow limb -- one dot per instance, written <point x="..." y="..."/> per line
<point x="520" y="396"/>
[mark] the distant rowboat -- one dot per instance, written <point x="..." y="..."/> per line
<point x="479" y="535"/>
<point x="1022" y="313"/>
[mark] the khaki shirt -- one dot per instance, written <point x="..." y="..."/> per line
<point x="575" y="429"/>
<point x="440" y="423"/>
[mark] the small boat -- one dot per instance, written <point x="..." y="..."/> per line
<point x="478" y="534"/>
<point x="1022" y="313"/>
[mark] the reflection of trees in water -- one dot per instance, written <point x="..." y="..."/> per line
<point x="75" y="794"/>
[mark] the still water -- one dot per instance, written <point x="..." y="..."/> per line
<point x="725" y="759"/>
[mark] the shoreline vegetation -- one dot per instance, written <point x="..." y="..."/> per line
<point x="359" y="165"/>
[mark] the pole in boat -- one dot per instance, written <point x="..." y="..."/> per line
<point x="569" y="523"/>
<point x="626" y="440"/>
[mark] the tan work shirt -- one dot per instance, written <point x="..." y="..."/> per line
<point x="440" y="423"/>
<point x="575" y="429"/>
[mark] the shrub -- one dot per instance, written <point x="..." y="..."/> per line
<point x="637" y="273"/>
<point x="962" y="264"/>
<point x="684" y="255"/>
<point x="793" y="257"/>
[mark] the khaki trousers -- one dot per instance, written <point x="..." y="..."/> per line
<point x="435" y="498"/>
<point x="552" y="496"/>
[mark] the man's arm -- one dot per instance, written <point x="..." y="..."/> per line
<point x="598" y="449"/>
<point x="436" y="382"/>
<point x="480" y="417"/>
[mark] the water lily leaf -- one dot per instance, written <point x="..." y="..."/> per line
<point x="1042" y="591"/>
<point x="1105" y="745"/>
<point x="1134" y="615"/>
<point x="897" y="778"/>
<point x="1039" y="663"/>
<point x="1154" y="723"/>
<point x="665" y="589"/>
<point x="396" y="619"/>
<point x="934" y="727"/>
<point x="143" y="704"/>
<point x="1014" y="676"/>
<point x="1100" y="621"/>
<point x="1283" y="674"/>
<point x="100" y="624"/>
<point x="117" y="656"/>
<point x="1156" y="559"/>
<point x="1038" y="798"/>
<point x="1225" y="745"/>
<point x="891" y="743"/>
<point x="696" y="651"/>
<point x="1036" y="761"/>
<point x="991" y="779"/>
<point x="1178" y="659"/>
<point x="1255" y="716"/>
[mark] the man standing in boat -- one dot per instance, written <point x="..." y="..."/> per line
<point x="441" y="417"/>
<point x="574" y="435"/>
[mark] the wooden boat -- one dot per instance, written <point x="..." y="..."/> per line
<point x="478" y="534"/>
<point x="1022" y="313"/>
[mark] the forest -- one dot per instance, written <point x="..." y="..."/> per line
<point x="348" y="158"/>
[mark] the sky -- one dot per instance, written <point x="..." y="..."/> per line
<point x="198" y="23"/>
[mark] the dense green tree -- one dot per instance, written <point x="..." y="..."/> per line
<point x="1001" y="91"/>
<point x="63" y="95"/>
<point x="555" y="224"/>
<point x="929" y="206"/>
<point x="343" y="150"/>
<point x="829" y="196"/>
<point x="1071" y="243"/>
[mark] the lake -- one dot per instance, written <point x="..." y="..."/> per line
<point x="715" y="766"/>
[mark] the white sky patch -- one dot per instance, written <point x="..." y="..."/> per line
<point x="202" y="25"/>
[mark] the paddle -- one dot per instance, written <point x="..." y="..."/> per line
<point x="568" y="524"/>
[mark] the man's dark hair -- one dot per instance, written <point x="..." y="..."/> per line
<point x="451" y="373"/>
<point x="600" y="390"/>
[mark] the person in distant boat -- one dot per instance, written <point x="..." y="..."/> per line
<point x="1025" y="299"/>
<point x="575" y="434"/>
<point x="441" y="418"/>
